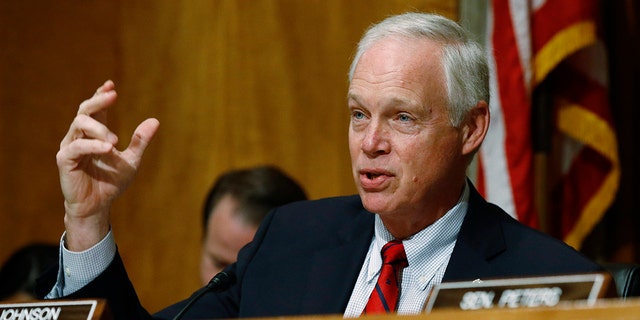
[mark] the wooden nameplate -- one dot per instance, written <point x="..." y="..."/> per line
<point x="527" y="292"/>
<point x="83" y="309"/>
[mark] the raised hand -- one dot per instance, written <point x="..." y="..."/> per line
<point x="93" y="173"/>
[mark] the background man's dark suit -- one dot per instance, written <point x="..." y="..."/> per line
<point x="306" y="257"/>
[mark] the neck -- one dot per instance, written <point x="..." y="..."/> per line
<point x="405" y="223"/>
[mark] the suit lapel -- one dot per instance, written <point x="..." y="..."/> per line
<point x="335" y="270"/>
<point x="480" y="239"/>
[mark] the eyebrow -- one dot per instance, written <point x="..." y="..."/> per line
<point x="393" y="101"/>
<point x="352" y="96"/>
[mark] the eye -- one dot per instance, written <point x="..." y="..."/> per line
<point x="219" y="264"/>
<point x="403" y="117"/>
<point x="358" y="115"/>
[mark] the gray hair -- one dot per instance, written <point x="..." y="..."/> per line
<point x="464" y="61"/>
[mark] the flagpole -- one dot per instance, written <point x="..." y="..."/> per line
<point x="541" y="135"/>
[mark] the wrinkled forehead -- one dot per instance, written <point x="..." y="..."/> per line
<point x="395" y="54"/>
<point x="410" y="63"/>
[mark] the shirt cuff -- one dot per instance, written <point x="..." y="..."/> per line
<point x="77" y="269"/>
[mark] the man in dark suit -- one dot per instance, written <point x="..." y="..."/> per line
<point x="418" y="99"/>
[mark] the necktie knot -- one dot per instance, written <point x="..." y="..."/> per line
<point x="393" y="254"/>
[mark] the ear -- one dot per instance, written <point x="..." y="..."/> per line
<point x="475" y="128"/>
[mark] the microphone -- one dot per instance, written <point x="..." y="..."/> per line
<point x="220" y="282"/>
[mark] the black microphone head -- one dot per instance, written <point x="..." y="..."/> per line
<point x="222" y="281"/>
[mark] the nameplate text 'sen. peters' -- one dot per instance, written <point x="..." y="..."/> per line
<point x="528" y="292"/>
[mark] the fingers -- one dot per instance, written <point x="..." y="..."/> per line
<point x="106" y="86"/>
<point x="96" y="106"/>
<point x="90" y="122"/>
<point x="89" y="134"/>
<point x="86" y="127"/>
<point x="142" y="136"/>
<point x="73" y="152"/>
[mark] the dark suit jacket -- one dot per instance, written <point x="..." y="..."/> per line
<point x="306" y="257"/>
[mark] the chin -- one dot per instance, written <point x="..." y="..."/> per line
<point x="375" y="203"/>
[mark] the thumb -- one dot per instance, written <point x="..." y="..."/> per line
<point x="143" y="135"/>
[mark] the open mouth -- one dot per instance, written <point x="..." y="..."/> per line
<point x="374" y="180"/>
<point x="371" y="175"/>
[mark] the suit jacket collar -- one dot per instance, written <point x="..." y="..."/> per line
<point x="480" y="238"/>
<point x="343" y="262"/>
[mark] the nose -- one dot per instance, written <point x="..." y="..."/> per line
<point x="376" y="139"/>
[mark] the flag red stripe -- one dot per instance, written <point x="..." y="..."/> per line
<point x="516" y="109"/>
<point x="555" y="16"/>
<point x="578" y="186"/>
<point x="582" y="90"/>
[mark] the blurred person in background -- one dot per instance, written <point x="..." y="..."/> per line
<point x="19" y="273"/>
<point x="233" y="209"/>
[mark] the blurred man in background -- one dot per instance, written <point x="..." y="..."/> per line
<point x="234" y="208"/>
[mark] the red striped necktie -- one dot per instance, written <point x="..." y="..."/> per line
<point x="384" y="297"/>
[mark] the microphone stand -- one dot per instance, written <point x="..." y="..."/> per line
<point x="220" y="282"/>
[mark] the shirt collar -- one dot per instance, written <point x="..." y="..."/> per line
<point x="423" y="246"/>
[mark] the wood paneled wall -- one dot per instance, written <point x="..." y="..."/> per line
<point x="233" y="83"/>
